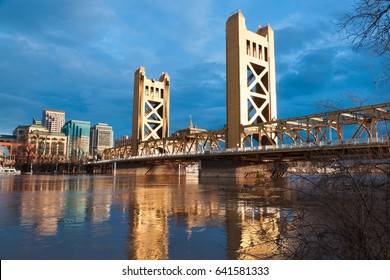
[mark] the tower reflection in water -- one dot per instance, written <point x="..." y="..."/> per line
<point x="219" y="222"/>
<point x="159" y="218"/>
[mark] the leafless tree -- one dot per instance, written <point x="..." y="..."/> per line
<point x="342" y="213"/>
<point x="368" y="25"/>
<point x="341" y="205"/>
<point x="344" y="206"/>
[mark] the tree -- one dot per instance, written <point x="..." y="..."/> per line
<point x="346" y="213"/>
<point x="368" y="25"/>
<point x="340" y="206"/>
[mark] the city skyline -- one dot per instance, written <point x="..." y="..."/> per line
<point x="81" y="58"/>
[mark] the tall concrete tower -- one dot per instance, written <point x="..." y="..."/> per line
<point x="150" y="108"/>
<point x="250" y="78"/>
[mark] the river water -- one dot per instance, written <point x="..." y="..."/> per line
<point x="105" y="217"/>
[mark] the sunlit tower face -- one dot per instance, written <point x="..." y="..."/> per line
<point x="150" y="108"/>
<point x="250" y="77"/>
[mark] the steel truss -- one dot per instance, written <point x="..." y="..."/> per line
<point x="350" y="126"/>
<point x="369" y="124"/>
<point x="197" y="143"/>
<point x="117" y="152"/>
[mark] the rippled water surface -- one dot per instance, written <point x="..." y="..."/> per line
<point x="105" y="217"/>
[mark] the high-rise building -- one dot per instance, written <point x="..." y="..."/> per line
<point x="53" y="120"/>
<point x="101" y="138"/>
<point x="77" y="133"/>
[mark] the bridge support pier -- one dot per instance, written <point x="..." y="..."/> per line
<point x="151" y="169"/>
<point x="209" y="168"/>
<point x="205" y="168"/>
<point x="145" y="168"/>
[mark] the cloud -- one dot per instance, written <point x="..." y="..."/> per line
<point x="73" y="55"/>
<point x="314" y="66"/>
<point x="80" y="56"/>
<point x="62" y="21"/>
<point x="322" y="75"/>
<point x="199" y="91"/>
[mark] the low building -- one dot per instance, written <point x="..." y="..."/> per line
<point x="8" y="146"/>
<point x="122" y="141"/>
<point x="36" y="144"/>
<point x="8" y="141"/>
<point x="191" y="129"/>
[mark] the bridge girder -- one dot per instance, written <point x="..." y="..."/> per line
<point x="205" y="142"/>
<point x="343" y="126"/>
<point x="348" y="126"/>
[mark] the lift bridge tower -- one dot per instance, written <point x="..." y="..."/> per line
<point x="250" y="80"/>
<point x="150" y="108"/>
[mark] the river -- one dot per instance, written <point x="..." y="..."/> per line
<point x="106" y="217"/>
<point x="60" y="217"/>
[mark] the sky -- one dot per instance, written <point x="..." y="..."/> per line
<point x="80" y="57"/>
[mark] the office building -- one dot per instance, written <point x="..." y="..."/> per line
<point x="77" y="133"/>
<point x="53" y="120"/>
<point x="101" y="138"/>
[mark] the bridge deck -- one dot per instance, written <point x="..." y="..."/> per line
<point x="379" y="147"/>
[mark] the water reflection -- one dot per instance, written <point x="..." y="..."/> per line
<point x="104" y="217"/>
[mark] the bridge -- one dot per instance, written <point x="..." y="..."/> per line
<point x="352" y="133"/>
<point x="253" y="140"/>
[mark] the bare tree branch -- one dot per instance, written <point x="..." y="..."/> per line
<point x="368" y="25"/>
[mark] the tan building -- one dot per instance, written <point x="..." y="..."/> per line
<point x="150" y="108"/>
<point x="39" y="145"/>
<point x="122" y="141"/>
<point x="250" y="78"/>
<point x="53" y="120"/>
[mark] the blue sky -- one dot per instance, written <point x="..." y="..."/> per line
<point x="80" y="57"/>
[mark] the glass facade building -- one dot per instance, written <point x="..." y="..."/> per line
<point x="77" y="133"/>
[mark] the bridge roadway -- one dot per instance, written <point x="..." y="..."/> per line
<point x="360" y="148"/>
